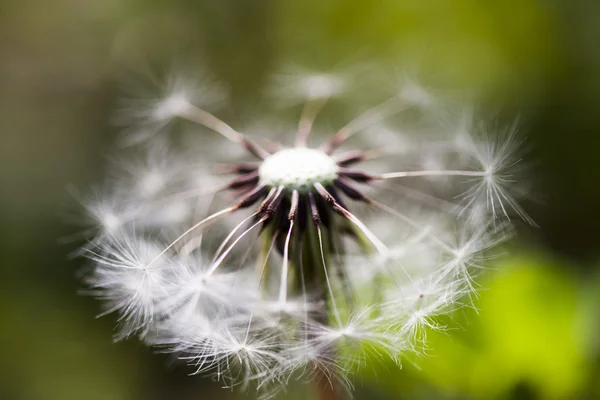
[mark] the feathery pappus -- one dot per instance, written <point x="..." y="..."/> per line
<point x="324" y="256"/>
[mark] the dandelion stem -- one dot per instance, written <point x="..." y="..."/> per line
<point x="326" y="389"/>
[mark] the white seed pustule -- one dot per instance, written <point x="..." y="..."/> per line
<point x="298" y="169"/>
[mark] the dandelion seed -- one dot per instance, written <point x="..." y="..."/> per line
<point x="299" y="85"/>
<point x="145" y="113"/>
<point x="131" y="283"/>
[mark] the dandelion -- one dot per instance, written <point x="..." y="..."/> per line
<point x="316" y="265"/>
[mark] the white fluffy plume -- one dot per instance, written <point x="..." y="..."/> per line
<point x="307" y="266"/>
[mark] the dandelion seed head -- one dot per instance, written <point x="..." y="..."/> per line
<point x="306" y="260"/>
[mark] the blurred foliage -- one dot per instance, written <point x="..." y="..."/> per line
<point x="536" y="332"/>
<point x="477" y="45"/>
<point x="51" y="355"/>
<point x="530" y="332"/>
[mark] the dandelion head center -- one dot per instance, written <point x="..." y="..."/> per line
<point x="298" y="169"/>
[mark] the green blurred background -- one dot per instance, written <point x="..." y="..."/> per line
<point x="63" y="62"/>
